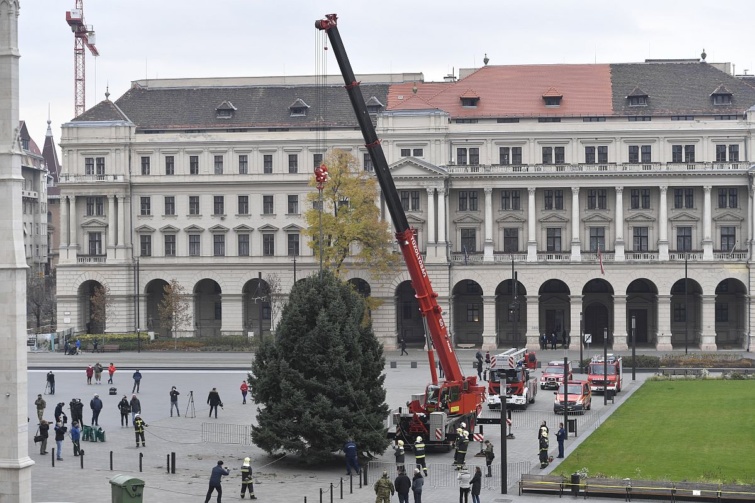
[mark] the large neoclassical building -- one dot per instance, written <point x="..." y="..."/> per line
<point x="618" y="195"/>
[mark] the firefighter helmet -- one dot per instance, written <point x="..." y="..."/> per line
<point x="463" y="425"/>
<point x="419" y="439"/>
<point x="400" y="442"/>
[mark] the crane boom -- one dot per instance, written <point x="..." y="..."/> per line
<point x="83" y="37"/>
<point x="426" y="297"/>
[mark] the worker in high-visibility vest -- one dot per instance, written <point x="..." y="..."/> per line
<point x="419" y="454"/>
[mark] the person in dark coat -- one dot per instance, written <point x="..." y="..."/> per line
<point x="59" y="414"/>
<point x="543" y="451"/>
<point x="489" y="457"/>
<point x="215" y="477"/>
<point x="125" y="409"/>
<point x="247" y="482"/>
<point x="403" y="485"/>
<point x="60" y="436"/>
<point x="96" y="405"/>
<point x="136" y="407"/>
<point x="174" y="401"/>
<point x="44" y="432"/>
<point x="77" y="411"/>
<point x="76" y="438"/>
<point x="402" y="345"/>
<point x="213" y="399"/>
<point x="51" y="382"/>
<point x="137" y="381"/>
<point x="417" y="482"/>
<point x="479" y="365"/>
<point x="553" y="340"/>
<point x="398" y="451"/>
<point x="476" y="485"/>
<point x="139" y="426"/>
<point x="543" y="341"/>
<point x="352" y="462"/>
<point x="560" y="437"/>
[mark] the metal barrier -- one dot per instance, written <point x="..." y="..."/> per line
<point x="238" y="434"/>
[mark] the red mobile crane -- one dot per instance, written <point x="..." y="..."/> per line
<point x="83" y="35"/>
<point x="436" y="414"/>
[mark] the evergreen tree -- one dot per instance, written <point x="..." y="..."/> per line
<point x="321" y="381"/>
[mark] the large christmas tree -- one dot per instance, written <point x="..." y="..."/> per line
<point x="321" y="381"/>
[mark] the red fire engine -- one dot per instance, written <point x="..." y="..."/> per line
<point x="521" y="388"/>
<point x="435" y="414"/>
<point x="606" y="374"/>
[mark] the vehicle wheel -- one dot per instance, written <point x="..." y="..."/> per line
<point x="542" y="387"/>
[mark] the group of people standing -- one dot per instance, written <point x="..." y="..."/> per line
<point x="543" y="443"/>
<point x="552" y="340"/>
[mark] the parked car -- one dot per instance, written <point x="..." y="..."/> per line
<point x="579" y="398"/>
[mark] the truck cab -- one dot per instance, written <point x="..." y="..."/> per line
<point x="579" y="398"/>
<point x="606" y="374"/>
<point x="553" y="374"/>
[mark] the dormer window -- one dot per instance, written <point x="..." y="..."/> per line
<point x="225" y="110"/>
<point x="721" y="96"/>
<point x="469" y="99"/>
<point x="637" y="98"/>
<point x="298" y="108"/>
<point x="552" y="98"/>
<point x="373" y="105"/>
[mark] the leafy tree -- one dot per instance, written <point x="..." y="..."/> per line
<point x="173" y="309"/>
<point x="40" y="298"/>
<point x="351" y="223"/>
<point x="321" y="381"/>
<point x="101" y="303"/>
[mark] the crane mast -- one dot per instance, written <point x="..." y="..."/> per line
<point x="83" y="36"/>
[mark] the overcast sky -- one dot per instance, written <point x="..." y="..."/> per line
<point x="193" y="38"/>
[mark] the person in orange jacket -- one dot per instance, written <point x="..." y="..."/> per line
<point x="110" y="371"/>
<point x="244" y="390"/>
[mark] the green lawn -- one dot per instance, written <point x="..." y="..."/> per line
<point x="677" y="430"/>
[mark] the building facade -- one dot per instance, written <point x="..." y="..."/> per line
<point x="34" y="196"/>
<point x="618" y="196"/>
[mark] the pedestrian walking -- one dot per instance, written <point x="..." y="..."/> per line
<point x="489" y="457"/>
<point x="402" y="484"/>
<point x="139" y="426"/>
<point x="244" y="390"/>
<point x="247" y="483"/>
<point x="419" y="455"/>
<point x="478" y="356"/>
<point x="51" y="382"/>
<point x="560" y="437"/>
<point x="60" y="435"/>
<point x="59" y="414"/>
<point x="95" y="345"/>
<point x="402" y="345"/>
<point x="352" y="461"/>
<point x="417" y="482"/>
<point x="174" y="401"/>
<point x="125" y="409"/>
<point x="465" y="482"/>
<point x="213" y="399"/>
<point x="476" y="484"/>
<point x="543" y="453"/>
<point x="98" y="368"/>
<point x="67" y="348"/>
<point x="110" y="371"/>
<point x="96" y="405"/>
<point x="137" y="381"/>
<point x="383" y="489"/>
<point x="44" y="433"/>
<point x="78" y="347"/>
<point x="399" y="453"/>
<point x="41" y="404"/>
<point x="76" y="438"/>
<point x="215" y="477"/>
<point x="90" y="373"/>
<point x="136" y="407"/>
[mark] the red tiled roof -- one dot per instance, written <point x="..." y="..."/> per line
<point x="518" y="91"/>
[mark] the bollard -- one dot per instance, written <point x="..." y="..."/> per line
<point x="140" y="461"/>
<point x="321" y="495"/>
<point x="53" y="456"/>
<point x="331" y="492"/>
<point x="81" y="458"/>
<point x="167" y="462"/>
<point x="413" y="365"/>
<point x="173" y="463"/>
<point x="351" y="483"/>
<point x="341" y="488"/>
<point x="111" y="461"/>
<point x="393" y="365"/>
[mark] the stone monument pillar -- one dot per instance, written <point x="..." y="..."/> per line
<point x="15" y="464"/>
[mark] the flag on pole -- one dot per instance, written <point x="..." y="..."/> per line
<point x="600" y="261"/>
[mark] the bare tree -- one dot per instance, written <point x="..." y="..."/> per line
<point x="40" y="299"/>
<point x="174" y="309"/>
<point x="101" y="302"/>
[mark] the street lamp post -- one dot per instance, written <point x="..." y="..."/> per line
<point x="504" y="461"/>
<point x="581" y="342"/>
<point x="686" y="307"/>
<point x="634" y="342"/>
<point x="605" y="366"/>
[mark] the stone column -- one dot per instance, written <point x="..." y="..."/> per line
<point x="750" y="222"/>
<point x="663" y="338"/>
<point x="442" y="224"/>
<point x="533" y="322"/>
<point x="663" y="225"/>
<point x="531" y="225"/>
<point x="127" y="217"/>
<point x="110" y="223"/>
<point x="74" y="229"/>
<point x="64" y="224"/>
<point x="488" y="247"/>
<point x="618" y="246"/>
<point x="489" y="333"/>
<point x="430" y="216"/>
<point x="575" y="307"/>
<point x="576" y="227"/>
<point x="232" y="309"/>
<point x="707" y="218"/>
<point x="15" y="467"/>
<point x="620" y="323"/>
<point x="708" y="328"/>
<point x="121" y="221"/>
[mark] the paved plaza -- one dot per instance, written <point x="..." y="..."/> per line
<point x="277" y="480"/>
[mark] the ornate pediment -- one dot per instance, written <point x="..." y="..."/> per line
<point x="243" y="228"/>
<point x="219" y="229"/>
<point x="412" y="167"/>
<point x="468" y="219"/>
<point x="194" y="228"/>
<point x="94" y="223"/>
<point x="728" y="217"/>
<point x="511" y="218"/>
<point x="293" y="228"/>
<point x="640" y="218"/>
<point x="414" y="219"/>
<point x="268" y="228"/>
<point x="144" y="229"/>
<point x="169" y="229"/>
<point x="597" y="218"/>
<point x="684" y="217"/>
<point x="554" y="218"/>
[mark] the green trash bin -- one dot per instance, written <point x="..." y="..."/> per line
<point x="126" y="489"/>
<point x="99" y="435"/>
<point x="87" y="434"/>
